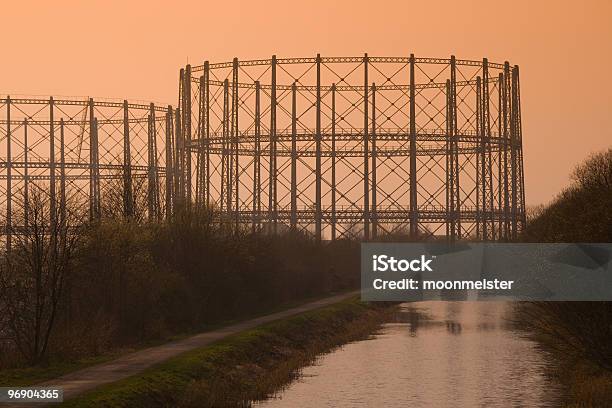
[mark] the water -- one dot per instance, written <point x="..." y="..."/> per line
<point x="435" y="354"/>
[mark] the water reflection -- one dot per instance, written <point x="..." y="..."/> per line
<point x="433" y="354"/>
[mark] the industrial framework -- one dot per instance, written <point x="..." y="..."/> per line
<point x="331" y="146"/>
<point x="355" y="146"/>
<point x="95" y="158"/>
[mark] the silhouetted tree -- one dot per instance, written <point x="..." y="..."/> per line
<point x="36" y="270"/>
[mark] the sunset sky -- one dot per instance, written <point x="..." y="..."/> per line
<point x="133" y="50"/>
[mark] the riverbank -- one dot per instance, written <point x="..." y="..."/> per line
<point x="27" y="376"/>
<point x="247" y="366"/>
<point x="587" y="384"/>
<point x="579" y="366"/>
<point x="577" y="334"/>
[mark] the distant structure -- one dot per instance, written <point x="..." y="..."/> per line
<point x="331" y="146"/>
<point x="367" y="146"/>
<point x="109" y="156"/>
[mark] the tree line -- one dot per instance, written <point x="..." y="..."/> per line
<point x="70" y="289"/>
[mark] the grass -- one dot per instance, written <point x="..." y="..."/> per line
<point x="26" y="376"/>
<point x="585" y="383"/>
<point x="19" y="377"/>
<point x="587" y="386"/>
<point x="249" y="366"/>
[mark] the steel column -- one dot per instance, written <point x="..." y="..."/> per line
<point x="94" y="175"/>
<point x="95" y="164"/>
<point x="318" y="231"/>
<point x="519" y="135"/>
<point x="414" y="227"/>
<point x="128" y="199"/>
<point x="235" y="142"/>
<point x="52" y="190"/>
<point x="200" y="165"/>
<point x="179" y="136"/>
<point x="62" y="212"/>
<point x="207" y="130"/>
<point x="26" y="180"/>
<point x="179" y="163"/>
<point x="226" y="184"/>
<point x="449" y="165"/>
<point x="506" y="135"/>
<point x="257" y="161"/>
<point x="374" y="153"/>
<point x="187" y="134"/>
<point x="500" y="161"/>
<point x="454" y="155"/>
<point x="152" y="196"/>
<point x="9" y="177"/>
<point x="514" y="153"/>
<point x="333" y="162"/>
<point x="272" y="197"/>
<point x="293" y="158"/>
<point x="488" y="190"/>
<point x="480" y="153"/>
<point x="366" y="158"/>
<point x="169" y="162"/>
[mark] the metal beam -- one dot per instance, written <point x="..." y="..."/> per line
<point x="235" y="142"/>
<point x="9" y="178"/>
<point x="62" y="212"/>
<point x="26" y="181"/>
<point x="257" y="162"/>
<point x="256" y="216"/>
<point x="366" y="157"/>
<point x="128" y="199"/>
<point x="272" y="197"/>
<point x="318" y="214"/>
<point x="506" y="137"/>
<point x="93" y="168"/>
<point x="374" y="165"/>
<point x="293" y="158"/>
<point x="480" y="165"/>
<point x="179" y="163"/>
<point x="52" y="189"/>
<point x="414" y="212"/>
<point x="226" y="184"/>
<point x="169" y="162"/>
<point x="333" y="163"/>
<point x="200" y="165"/>
<point x="152" y="199"/>
<point x="207" y="130"/>
<point x="187" y="134"/>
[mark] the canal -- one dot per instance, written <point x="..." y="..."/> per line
<point x="432" y="354"/>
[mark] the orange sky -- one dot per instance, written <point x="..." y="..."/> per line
<point x="129" y="49"/>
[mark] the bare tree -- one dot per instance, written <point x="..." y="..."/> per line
<point x="35" y="273"/>
<point x="596" y="171"/>
<point x="113" y="196"/>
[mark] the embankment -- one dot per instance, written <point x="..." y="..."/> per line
<point x="249" y="366"/>
<point x="577" y="334"/>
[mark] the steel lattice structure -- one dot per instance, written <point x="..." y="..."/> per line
<point x="108" y="155"/>
<point x="339" y="146"/>
<point x="333" y="146"/>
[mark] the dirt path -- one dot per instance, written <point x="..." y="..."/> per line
<point x="86" y="379"/>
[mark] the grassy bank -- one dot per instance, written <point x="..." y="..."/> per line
<point x="577" y="334"/>
<point x="578" y="367"/>
<point x="245" y="367"/>
<point x="30" y="375"/>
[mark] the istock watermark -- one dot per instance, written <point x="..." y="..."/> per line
<point x="383" y="263"/>
<point x="486" y="271"/>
